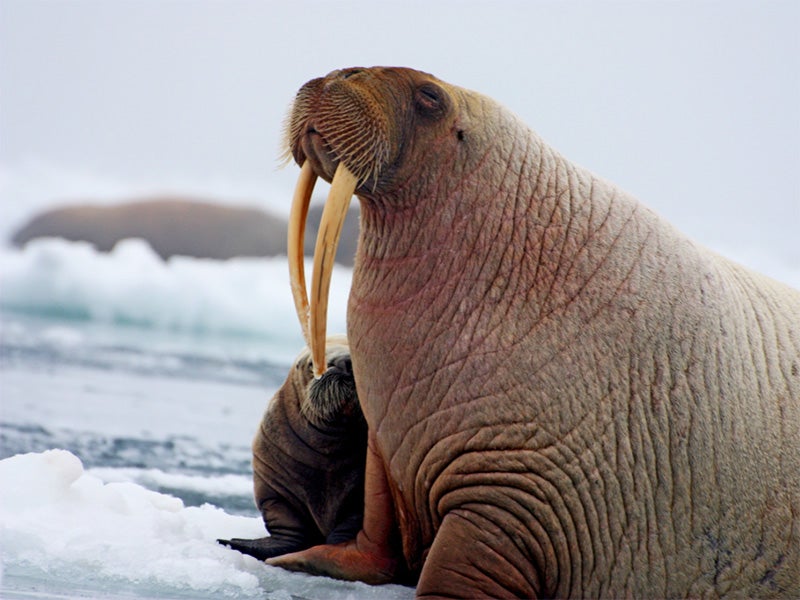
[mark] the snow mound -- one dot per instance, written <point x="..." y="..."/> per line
<point x="60" y="524"/>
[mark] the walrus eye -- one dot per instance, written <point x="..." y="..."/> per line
<point x="429" y="100"/>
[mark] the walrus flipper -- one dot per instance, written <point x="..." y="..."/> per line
<point x="266" y="547"/>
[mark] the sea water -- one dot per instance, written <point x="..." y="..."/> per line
<point x="130" y="390"/>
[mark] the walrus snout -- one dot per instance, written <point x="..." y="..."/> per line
<point x="332" y="397"/>
<point x="337" y="118"/>
<point x="341" y="364"/>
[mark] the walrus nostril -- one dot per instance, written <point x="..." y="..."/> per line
<point x="343" y="73"/>
<point x="343" y="364"/>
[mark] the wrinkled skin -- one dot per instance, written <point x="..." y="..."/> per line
<point x="568" y="397"/>
<point x="308" y="459"/>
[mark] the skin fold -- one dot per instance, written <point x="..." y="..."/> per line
<point x="566" y="397"/>
<point x="308" y="459"/>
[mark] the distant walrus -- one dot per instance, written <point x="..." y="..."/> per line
<point x="568" y="397"/>
<point x="308" y="459"/>
<point x="180" y="227"/>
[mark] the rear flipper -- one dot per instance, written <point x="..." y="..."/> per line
<point x="264" y="548"/>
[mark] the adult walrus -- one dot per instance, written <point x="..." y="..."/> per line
<point x="568" y="398"/>
<point x="179" y="227"/>
<point x="308" y="459"/>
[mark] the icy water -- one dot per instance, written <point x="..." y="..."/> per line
<point x="129" y="393"/>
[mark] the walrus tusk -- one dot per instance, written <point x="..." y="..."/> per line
<point x="296" y="235"/>
<point x="330" y="230"/>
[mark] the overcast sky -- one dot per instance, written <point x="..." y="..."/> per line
<point x="693" y="106"/>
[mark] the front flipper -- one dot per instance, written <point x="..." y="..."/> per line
<point x="356" y="560"/>
<point x="263" y="548"/>
<point x="465" y="561"/>
<point x="371" y="557"/>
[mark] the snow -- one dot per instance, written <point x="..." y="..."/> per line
<point x="60" y="522"/>
<point x="56" y="517"/>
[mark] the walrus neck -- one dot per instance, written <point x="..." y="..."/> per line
<point x="434" y="230"/>
<point x="551" y="228"/>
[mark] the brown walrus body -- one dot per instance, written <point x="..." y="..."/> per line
<point x="179" y="227"/>
<point x="308" y="459"/>
<point x="568" y="397"/>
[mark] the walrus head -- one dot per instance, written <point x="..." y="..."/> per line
<point x="353" y="128"/>
<point x="330" y="400"/>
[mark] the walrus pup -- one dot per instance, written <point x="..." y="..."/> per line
<point x="308" y="459"/>
<point x="568" y="397"/>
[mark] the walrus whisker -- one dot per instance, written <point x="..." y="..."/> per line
<point x="360" y="142"/>
<point x="330" y="397"/>
<point x="343" y="186"/>
<point x="296" y="234"/>
<point x="288" y="133"/>
<point x="292" y="128"/>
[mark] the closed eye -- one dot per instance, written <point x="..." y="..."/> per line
<point x="428" y="93"/>
<point x="430" y="100"/>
